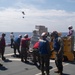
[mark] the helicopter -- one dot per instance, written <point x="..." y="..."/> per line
<point x="23" y="14"/>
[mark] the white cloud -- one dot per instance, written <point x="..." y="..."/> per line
<point x="11" y="19"/>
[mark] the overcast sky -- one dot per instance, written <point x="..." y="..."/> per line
<point x="54" y="14"/>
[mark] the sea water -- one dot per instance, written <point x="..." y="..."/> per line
<point x="16" y="34"/>
<point x="7" y="37"/>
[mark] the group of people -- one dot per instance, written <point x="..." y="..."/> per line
<point x="41" y="49"/>
<point x="16" y="43"/>
<point x="23" y="44"/>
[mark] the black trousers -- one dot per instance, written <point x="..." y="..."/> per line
<point x="12" y="43"/>
<point x="16" y="47"/>
<point x="24" y="54"/>
<point x="36" y="56"/>
<point x="58" y="62"/>
<point x="2" y="52"/>
<point x="44" y="61"/>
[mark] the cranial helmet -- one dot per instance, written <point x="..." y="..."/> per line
<point x="26" y="35"/>
<point x="44" y="34"/>
<point x="70" y="27"/>
<point x="20" y="36"/>
<point x="54" y="33"/>
<point x="3" y="34"/>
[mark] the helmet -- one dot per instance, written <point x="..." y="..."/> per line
<point x="44" y="34"/>
<point x="11" y="32"/>
<point x="3" y="34"/>
<point x="20" y="36"/>
<point x="70" y="27"/>
<point x="54" y="33"/>
<point x="26" y="35"/>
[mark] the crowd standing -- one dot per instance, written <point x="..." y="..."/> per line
<point x="41" y="50"/>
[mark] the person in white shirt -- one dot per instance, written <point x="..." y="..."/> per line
<point x="71" y="31"/>
<point x="71" y="36"/>
<point x="12" y="39"/>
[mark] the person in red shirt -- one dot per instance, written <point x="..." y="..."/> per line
<point x="36" y="56"/>
<point x="36" y="45"/>
<point x="2" y="45"/>
<point x="25" y="42"/>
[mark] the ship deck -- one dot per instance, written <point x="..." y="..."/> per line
<point x="13" y="66"/>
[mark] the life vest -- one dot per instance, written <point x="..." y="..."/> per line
<point x="43" y="47"/>
<point x="17" y="40"/>
<point x="56" y="44"/>
<point x="25" y="42"/>
<point x="36" y="45"/>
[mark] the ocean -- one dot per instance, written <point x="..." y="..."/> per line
<point x="7" y="37"/>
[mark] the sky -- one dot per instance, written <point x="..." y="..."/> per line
<point x="54" y="14"/>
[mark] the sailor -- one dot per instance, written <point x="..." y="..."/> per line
<point x="36" y="56"/>
<point x="2" y="45"/>
<point x="44" y="51"/>
<point x="11" y="39"/>
<point x="25" y="42"/>
<point x="0" y="57"/>
<point x="71" y="31"/>
<point x="71" y="36"/>
<point x="16" y="44"/>
<point x="58" y="48"/>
